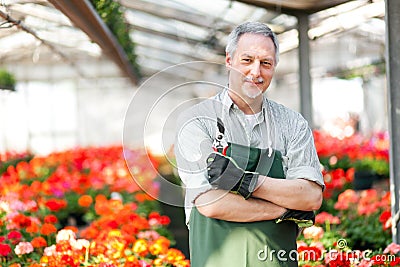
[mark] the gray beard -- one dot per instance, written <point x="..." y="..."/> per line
<point x="251" y="94"/>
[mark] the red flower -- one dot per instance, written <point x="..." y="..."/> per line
<point x="14" y="237"/>
<point x="378" y="260"/>
<point x="309" y="253"/>
<point x="337" y="259"/>
<point x="385" y="219"/>
<point x="395" y="262"/>
<point x="50" y="219"/>
<point x="21" y="220"/>
<point x="68" y="260"/>
<point x="113" y="224"/>
<point x="5" y="249"/>
<point x="56" y="204"/>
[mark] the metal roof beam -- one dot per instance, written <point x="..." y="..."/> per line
<point x="290" y="6"/>
<point x="165" y="12"/>
<point x="175" y="37"/>
<point x="178" y="48"/>
<point x="84" y="16"/>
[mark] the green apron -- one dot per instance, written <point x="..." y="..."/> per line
<point x="218" y="243"/>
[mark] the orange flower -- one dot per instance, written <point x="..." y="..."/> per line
<point x="100" y="198"/>
<point x="85" y="201"/>
<point x="39" y="242"/>
<point x="175" y="255"/>
<point x="141" y="197"/>
<point x="48" y="229"/>
<point x="33" y="228"/>
<point x="72" y="228"/>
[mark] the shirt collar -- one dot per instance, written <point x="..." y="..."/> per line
<point x="229" y="104"/>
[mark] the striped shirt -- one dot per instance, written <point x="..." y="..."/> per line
<point x="276" y="126"/>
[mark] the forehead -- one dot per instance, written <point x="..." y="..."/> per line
<point x="255" y="43"/>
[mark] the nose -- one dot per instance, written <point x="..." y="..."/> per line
<point x="255" y="69"/>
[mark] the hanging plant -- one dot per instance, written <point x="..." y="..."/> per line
<point x="110" y="12"/>
<point x="7" y="80"/>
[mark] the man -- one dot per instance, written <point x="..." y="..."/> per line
<point x="231" y="151"/>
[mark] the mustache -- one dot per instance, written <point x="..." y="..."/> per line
<point x="250" y="79"/>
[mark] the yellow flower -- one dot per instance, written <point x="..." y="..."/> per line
<point x="140" y="247"/>
<point x="114" y="233"/>
<point x="44" y="259"/>
<point x="158" y="262"/>
<point x="157" y="249"/>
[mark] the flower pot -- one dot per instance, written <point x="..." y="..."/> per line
<point x="363" y="179"/>
<point x="7" y="87"/>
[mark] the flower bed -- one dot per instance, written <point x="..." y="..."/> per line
<point x="353" y="228"/>
<point x="82" y="208"/>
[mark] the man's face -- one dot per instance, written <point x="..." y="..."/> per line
<point x="252" y="65"/>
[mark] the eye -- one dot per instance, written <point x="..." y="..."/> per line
<point x="267" y="63"/>
<point x="246" y="59"/>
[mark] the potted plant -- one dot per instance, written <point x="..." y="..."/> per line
<point x="7" y="80"/>
<point x="368" y="170"/>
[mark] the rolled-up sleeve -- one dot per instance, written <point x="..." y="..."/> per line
<point x="303" y="160"/>
<point x="192" y="146"/>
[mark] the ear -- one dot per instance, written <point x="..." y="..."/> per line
<point x="228" y="61"/>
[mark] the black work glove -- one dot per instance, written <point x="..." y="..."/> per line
<point x="225" y="174"/>
<point x="300" y="217"/>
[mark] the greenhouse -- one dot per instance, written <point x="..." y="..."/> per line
<point x="99" y="151"/>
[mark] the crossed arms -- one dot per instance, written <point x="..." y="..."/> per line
<point x="270" y="200"/>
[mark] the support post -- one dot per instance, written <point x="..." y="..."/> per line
<point x="304" y="68"/>
<point x="393" y="82"/>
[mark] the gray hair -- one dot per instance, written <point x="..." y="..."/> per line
<point x="251" y="27"/>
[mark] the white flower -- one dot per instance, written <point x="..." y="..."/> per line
<point x="50" y="251"/>
<point x="66" y="235"/>
<point x="79" y="244"/>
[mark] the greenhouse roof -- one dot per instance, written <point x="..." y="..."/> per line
<point x="165" y="32"/>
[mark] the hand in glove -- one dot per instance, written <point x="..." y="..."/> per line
<point x="302" y="218"/>
<point x="224" y="173"/>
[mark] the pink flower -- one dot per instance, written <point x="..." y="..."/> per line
<point x="392" y="248"/>
<point x="301" y="243"/>
<point x="23" y="248"/>
<point x="349" y="196"/>
<point x="365" y="263"/>
<point x="324" y="216"/>
<point x="318" y="245"/>
<point x="144" y="264"/>
<point x="149" y="235"/>
<point x="313" y="232"/>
